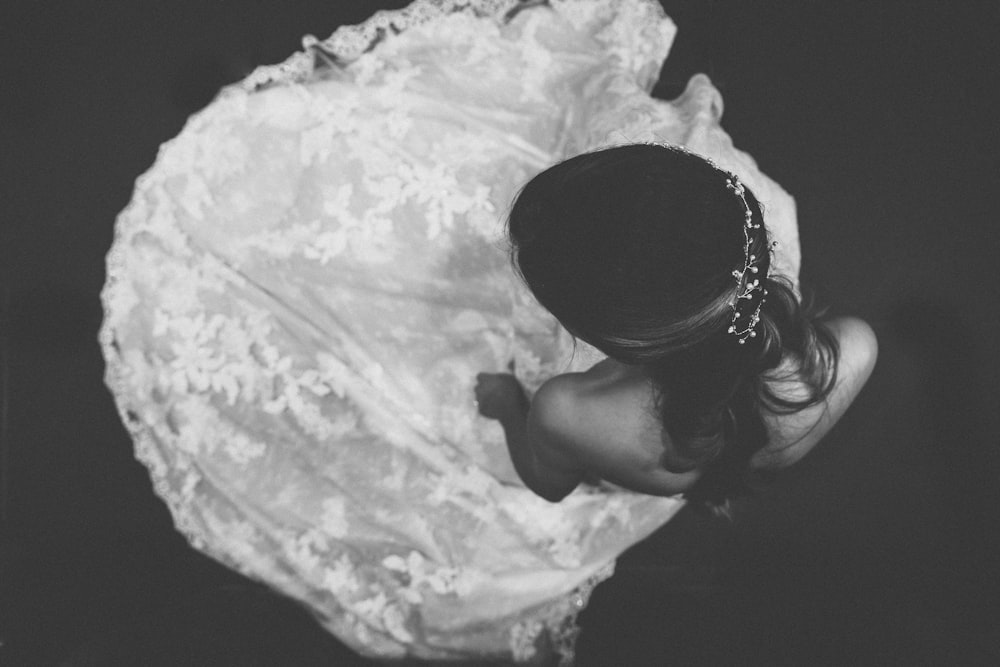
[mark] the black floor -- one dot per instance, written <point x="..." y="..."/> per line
<point x="881" y="548"/>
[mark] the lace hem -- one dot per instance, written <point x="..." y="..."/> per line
<point x="349" y="42"/>
<point x="557" y="623"/>
<point x="115" y="378"/>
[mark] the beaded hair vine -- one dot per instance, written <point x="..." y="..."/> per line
<point x="746" y="282"/>
<point x="742" y="326"/>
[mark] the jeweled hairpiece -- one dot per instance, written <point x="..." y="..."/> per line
<point x="743" y="326"/>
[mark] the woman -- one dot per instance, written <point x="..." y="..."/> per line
<point x="635" y="249"/>
<point x="309" y="278"/>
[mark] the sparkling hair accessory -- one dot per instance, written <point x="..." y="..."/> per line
<point x="743" y="325"/>
<point x="747" y="284"/>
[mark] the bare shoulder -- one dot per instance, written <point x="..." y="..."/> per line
<point x="858" y="343"/>
<point x="792" y="436"/>
<point x="555" y="405"/>
<point x="574" y="404"/>
<point x="554" y="423"/>
<point x="604" y="421"/>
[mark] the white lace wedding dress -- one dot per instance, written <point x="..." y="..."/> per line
<point x="308" y="279"/>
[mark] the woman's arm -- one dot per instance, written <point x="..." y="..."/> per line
<point x="792" y="436"/>
<point x="541" y="468"/>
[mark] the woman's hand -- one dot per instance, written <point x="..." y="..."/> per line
<point x="500" y="396"/>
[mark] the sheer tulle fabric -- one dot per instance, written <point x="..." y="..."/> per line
<point x="311" y="274"/>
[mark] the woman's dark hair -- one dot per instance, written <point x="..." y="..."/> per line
<point x="633" y="250"/>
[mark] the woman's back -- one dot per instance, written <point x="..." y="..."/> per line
<point x="604" y="423"/>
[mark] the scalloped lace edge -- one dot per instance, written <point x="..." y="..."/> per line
<point x="348" y="42"/>
<point x="559" y="621"/>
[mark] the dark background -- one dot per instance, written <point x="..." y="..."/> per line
<point x="881" y="547"/>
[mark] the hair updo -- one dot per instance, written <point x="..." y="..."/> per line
<point x="633" y="249"/>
